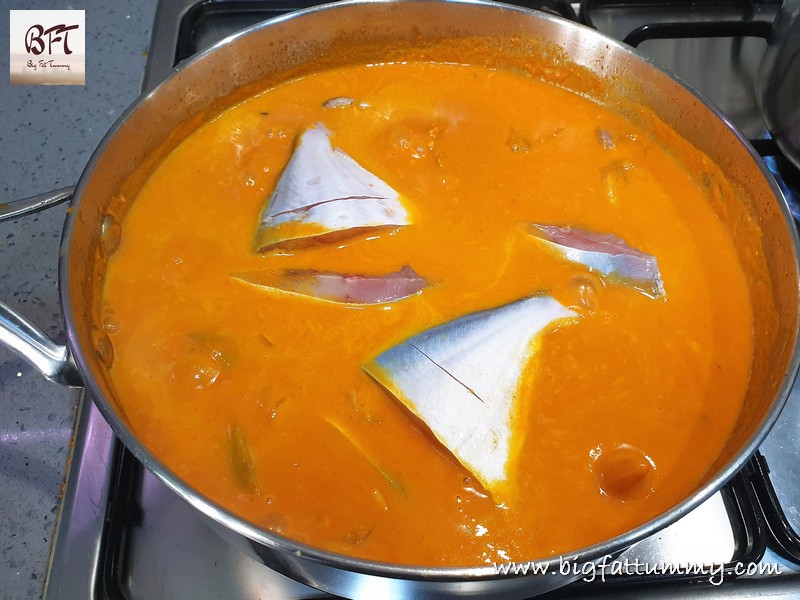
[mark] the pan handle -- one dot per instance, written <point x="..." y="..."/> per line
<point x="20" y="335"/>
<point x="18" y="208"/>
<point x="31" y="343"/>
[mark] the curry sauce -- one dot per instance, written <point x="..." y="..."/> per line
<point x="259" y="400"/>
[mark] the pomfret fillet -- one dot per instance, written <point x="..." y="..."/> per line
<point x="324" y="192"/>
<point x="462" y="380"/>
<point x="605" y="253"/>
<point x="335" y="287"/>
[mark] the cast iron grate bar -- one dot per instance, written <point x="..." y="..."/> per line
<point x="747" y="522"/>
<point x="766" y="147"/>
<point x="747" y="6"/>
<point x="667" y="31"/>
<point x="785" y="540"/>
<point x="123" y="513"/>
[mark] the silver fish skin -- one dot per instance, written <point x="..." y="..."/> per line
<point x="462" y="379"/>
<point x="605" y="253"/>
<point x="340" y="288"/>
<point x="322" y="191"/>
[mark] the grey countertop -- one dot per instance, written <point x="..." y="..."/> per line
<point x="47" y="134"/>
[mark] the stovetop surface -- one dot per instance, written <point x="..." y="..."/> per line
<point x="137" y="539"/>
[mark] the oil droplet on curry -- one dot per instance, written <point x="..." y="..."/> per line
<point x="259" y="399"/>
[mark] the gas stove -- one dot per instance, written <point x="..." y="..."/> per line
<point x="123" y="534"/>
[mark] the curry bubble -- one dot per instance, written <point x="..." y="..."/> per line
<point x="103" y="347"/>
<point x="615" y="178"/>
<point x="275" y="409"/>
<point x="605" y="139"/>
<point x="111" y="324"/>
<point x="110" y="235"/>
<point x="359" y="535"/>
<point x="341" y="102"/>
<point x="584" y="293"/>
<point x="197" y="368"/>
<point x="417" y="138"/>
<point x="517" y="142"/>
<point x="276" y="522"/>
<point x="276" y="133"/>
<point x="624" y="472"/>
<point x="380" y="500"/>
<point x="595" y="452"/>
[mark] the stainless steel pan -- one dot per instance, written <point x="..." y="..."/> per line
<point x="332" y="34"/>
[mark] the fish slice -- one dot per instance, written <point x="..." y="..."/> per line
<point x="605" y="253"/>
<point x="336" y="287"/>
<point x="462" y="380"/>
<point x="324" y="192"/>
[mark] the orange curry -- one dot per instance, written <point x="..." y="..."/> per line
<point x="235" y="388"/>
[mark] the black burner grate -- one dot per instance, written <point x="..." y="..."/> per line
<point x="784" y="539"/>
<point x="745" y="10"/>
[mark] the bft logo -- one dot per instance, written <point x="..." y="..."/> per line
<point x="35" y="38"/>
<point x="48" y="47"/>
